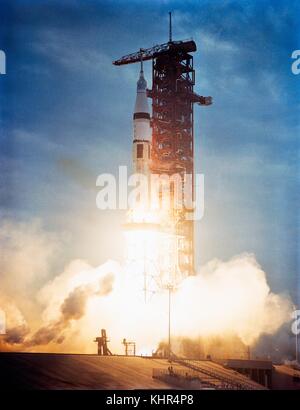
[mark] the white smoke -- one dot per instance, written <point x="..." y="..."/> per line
<point x="230" y="296"/>
<point x="68" y="311"/>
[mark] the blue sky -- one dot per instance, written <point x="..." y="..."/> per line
<point x="66" y="117"/>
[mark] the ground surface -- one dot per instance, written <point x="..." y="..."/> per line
<point x="62" y="371"/>
<point x="287" y="378"/>
<point x="71" y="371"/>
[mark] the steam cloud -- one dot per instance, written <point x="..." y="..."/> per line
<point x="225" y="300"/>
<point x="72" y="308"/>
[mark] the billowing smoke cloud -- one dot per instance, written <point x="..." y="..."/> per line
<point x="219" y="346"/>
<point x="27" y="253"/>
<point x="72" y="309"/>
<point x="227" y="301"/>
<point x="230" y="296"/>
<point x="14" y="327"/>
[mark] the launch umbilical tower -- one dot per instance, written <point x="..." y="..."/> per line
<point x="172" y="122"/>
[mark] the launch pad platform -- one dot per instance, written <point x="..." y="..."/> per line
<point x="49" y="371"/>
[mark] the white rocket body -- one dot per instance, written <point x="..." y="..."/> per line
<point x="141" y="129"/>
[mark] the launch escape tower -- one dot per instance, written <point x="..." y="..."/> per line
<point x="172" y="148"/>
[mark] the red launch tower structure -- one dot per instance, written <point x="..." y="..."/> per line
<point x="172" y="151"/>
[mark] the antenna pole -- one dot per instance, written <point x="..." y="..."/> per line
<point x="170" y="288"/>
<point x="170" y="27"/>
<point x="296" y="347"/>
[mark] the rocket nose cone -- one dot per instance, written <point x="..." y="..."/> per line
<point x="142" y="83"/>
<point x="141" y="103"/>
